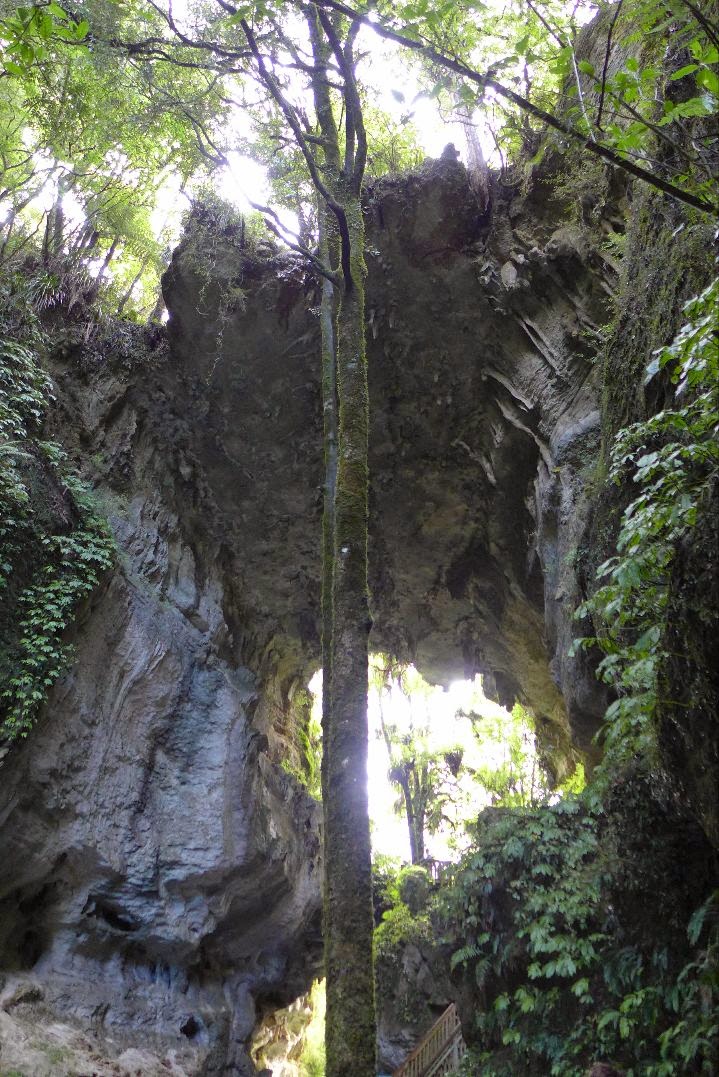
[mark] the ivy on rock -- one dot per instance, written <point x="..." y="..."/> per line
<point x="54" y="546"/>
<point x="671" y="460"/>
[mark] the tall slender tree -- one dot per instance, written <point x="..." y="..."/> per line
<point x="425" y="776"/>
<point x="335" y="158"/>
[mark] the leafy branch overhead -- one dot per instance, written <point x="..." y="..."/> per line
<point x="128" y="109"/>
<point x="419" y="35"/>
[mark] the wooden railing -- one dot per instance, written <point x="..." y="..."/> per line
<point x="440" y="1051"/>
<point x="439" y="870"/>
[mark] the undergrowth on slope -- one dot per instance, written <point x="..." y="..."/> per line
<point x="53" y="544"/>
<point x="536" y="905"/>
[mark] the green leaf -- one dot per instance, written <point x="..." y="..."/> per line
<point x="467" y="94"/>
<point x="709" y="80"/>
<point x="683" y="72"/>
<point x="609" y="1017"/>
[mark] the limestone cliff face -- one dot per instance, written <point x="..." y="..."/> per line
<point x="414" y="989"/>
<point x="159" y="874"/>
<point x="484" y="422"/>
<point x="159" y="869"/>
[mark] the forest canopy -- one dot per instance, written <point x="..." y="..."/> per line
<point x="114" y="115"/>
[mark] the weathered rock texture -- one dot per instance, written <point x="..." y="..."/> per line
<point x="159" y="868"/>
<point x="34" y="1043"/>
<point x="280" y="1037"/>
<point x="484" y="426"/>
<point x="689" y="699"/>
<point x="413" y="991"/>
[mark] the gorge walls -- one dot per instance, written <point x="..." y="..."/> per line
<point x="160" y="869"/>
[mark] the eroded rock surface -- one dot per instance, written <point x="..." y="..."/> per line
<point x="280" y="1038"/>
<point x="413" y="991"/>
<point x="34" y="1043"/>
<point x="160" y="870"/>
<point x="485" y="424"/>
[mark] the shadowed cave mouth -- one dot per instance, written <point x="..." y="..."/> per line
<point x="117" y="920"/>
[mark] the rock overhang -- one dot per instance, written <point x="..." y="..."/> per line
<point x="483" y="422"/>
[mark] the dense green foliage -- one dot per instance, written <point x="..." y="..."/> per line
<point x="539" y="904"/>
<point x="518" y="779"/>
<point x="109" y="111"/>
<point x="670" y="458"/>
<point x="513" y="63"/>
<point x="444" y="769"/>
<point x="53" y="544"/>
<point x="307" y="721"/>
<point x="403" y="897"/>
<point x="69" y="573"/>
<point x="92" y="138"/>
<point x="400" y="927"/>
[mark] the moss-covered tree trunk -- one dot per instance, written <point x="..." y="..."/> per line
<point x="328" y="250"/>
<point x="348" y="923"/>
<point x="350" y="1035"/>
<point x="337" y="177"/>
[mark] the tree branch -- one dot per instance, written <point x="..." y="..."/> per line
<point x="288" y="112"/>
<point x="275" y="225"/>
<point x="488" y="81"/>
<point x="356" y="138"/>
<point x="707" y="26"/>
<point x="204" y="46"/>
<point x="605" y="65"/>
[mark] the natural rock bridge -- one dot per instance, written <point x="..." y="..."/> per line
<point x="141" y="895"/>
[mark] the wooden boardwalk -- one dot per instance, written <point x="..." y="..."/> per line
<point x="440" y="1052"/>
